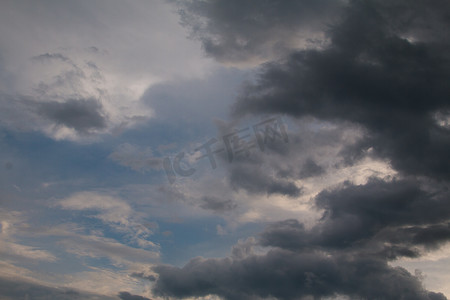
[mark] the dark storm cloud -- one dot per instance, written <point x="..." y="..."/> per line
<point x="235" y="31"/>
<point x="289" y="275"/>
<point x="373" y="76"/>
<point x="346" y="253"/>
<point x="388" y="219"/>
<point x="128" y="296"/>
<point x="385" y="70"/>
<point x="82" y="115"/>
<point x="379" y="204"/>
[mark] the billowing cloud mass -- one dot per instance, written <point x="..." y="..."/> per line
<point x="382" y="69"/>
<point x="288" y="275"/>
<point x="245" y="31"/>
<point x="375" y="74"/>
<point x="347" y="253"/>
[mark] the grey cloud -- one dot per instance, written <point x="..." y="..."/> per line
<point x="287" y="234"/>
<point x="58" y="99"/>
<point x="423" y="20"/>
<point x="388" y="219"/>
<point x="83" y="115"/>
<point x="381" y="204"/>
<point x="310" y="169"/>
<point x="217" y="205"/>
<point x="244" y="248"/>
<point x="26" y="114"/>
<point x="128" y="296"/>
<point x="240" y="31"/>
<point x="50" y="56"/>
<point x="131" y="156"/>
<point x="254" y="180"/>
<point x="276" y="170"/>
<point x="249" y="170"/>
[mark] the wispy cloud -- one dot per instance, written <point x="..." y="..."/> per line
<point x="112" y="211"/>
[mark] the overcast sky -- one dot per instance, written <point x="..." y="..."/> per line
<point x="225" y="149"/>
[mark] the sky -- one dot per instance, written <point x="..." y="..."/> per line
<point x="225" y="149"/>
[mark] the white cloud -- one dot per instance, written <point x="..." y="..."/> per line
<point x="114" y="212"/>
<point x="107" y="282"/>
<point x="10" y="248"/>
<point x="19" y="252"/>
<point x="110" y="209"/>
<point x="123" y="49"/>
<point x="97" y="247"/>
